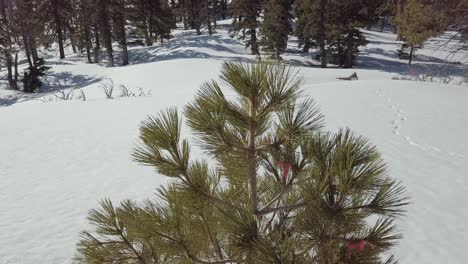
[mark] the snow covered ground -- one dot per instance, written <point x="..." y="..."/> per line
<point x="57" y="159"/>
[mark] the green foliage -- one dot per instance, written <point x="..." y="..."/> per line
<point x="31" y="78"/>
<point x="419" y="21"/>
<point x="270" y="187"/>
<point x="340" y="32"/>
<point x="276" y="26"/>
<point x="245" y="14"/>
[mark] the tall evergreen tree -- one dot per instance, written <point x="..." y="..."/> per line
<point x="246" y="13"/>
<point x="152" y="19"/>
<point x="418" y="22"/>
<point x="276" y="26"/>
<point x="83" y="11"/>
<point x="58" y="11"/>
<point x="119" y="18"/>
<point x="333" y="26"/>
<point x="8" y="43"/>
<point x="275" y="189"/>
<point x="313" y="25"/>
<point x="102" y="17"/>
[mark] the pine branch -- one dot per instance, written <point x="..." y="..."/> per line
<point x="281" y="208"/>
<point x="213" y="239"/>
<point x="198" y="260"/>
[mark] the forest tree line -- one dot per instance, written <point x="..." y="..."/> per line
<point x="330" y="26"/>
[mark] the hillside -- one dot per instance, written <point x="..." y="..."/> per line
<point x="58" y="158"/>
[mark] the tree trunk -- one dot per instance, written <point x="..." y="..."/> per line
<point x="97" y="46"/>
<point x="27" y="49"/>
<point x="105" y="31"/>
<point x="382" y="23"/>
<point x="223" y="9"/>
<point x="349" y="51"/>
<point x="58" y="28"/>
<point x="208" y="20"/>
<point x="34" y="53"/>
<point x="252" y="161"/>
<point x="253" y="36"/>
<point x="322" y="34"/>
<point x="400" y="6"/>
<point x="122" y="34"/>
<point x="123" y="42"/>
<point x="71" y="32"/>
<point x="16" y="71"/>
<point x="147" y="32"/>
<point x="9" y="66"/>
<point x="87" y="34"/>
<point x="306" y="46"/>
<point x="411" y="54"/>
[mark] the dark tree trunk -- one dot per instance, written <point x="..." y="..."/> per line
<point x="27" y="49"/>
<point x="105" y="30"/>
<point x="208" y="20"/>
<point x="411" y="54"/>
<point x="382" y="24"/>
<point x="252" y="21"/>
<point x="147" y="32"/>
<point x="16" y="71"/>
<point x="223" y="9"/>
<point x="34" y="53"/>
<point x="306" y="46"/>
<point x="322" y="34"/>
<point x="58" y="28"/>
<point x="349" y="51"/>
<point x="97" y="46"/>
<point x="122" y="37"/>
<point x="87" y="34"/>
<point x="400" y="6"/>
<point x="71" y="33"/>
<point x="9" y="65"/>
<point x="340" y="54"/>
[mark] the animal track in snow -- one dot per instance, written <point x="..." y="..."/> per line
<point x="398" y="120"/>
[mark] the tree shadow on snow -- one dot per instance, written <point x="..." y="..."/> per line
<point x="388" y="61"/>
<point x="66" y="80"/>
<point x="52" y="83"/>
<point x="187" y="45"/>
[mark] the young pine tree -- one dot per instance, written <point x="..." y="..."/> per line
<point x="272" y="188"/>
<point x="276" y="26"/>
<point x="418" y="22"/>
<point x="246" y="14"/>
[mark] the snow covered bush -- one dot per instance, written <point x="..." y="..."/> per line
<point x="272" y="188"/>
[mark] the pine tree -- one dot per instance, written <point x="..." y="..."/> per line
<point x="418" y="22"/>
<point x="83" y="11"/>
<point x="58" y="11"/>
<point x="119" y="18"/>
<point x="276" y="26"/>
<point x="102" y="18"/>
<point x="312" y="26"/>
<point x="246" y="14"/>
<point x="273" y="188"/>
<point x="151" y="18"/>
<point x="333" y="27"/>
<point x="8" y="45"/>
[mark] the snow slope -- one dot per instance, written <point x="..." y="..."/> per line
<point x="57" y="159"/>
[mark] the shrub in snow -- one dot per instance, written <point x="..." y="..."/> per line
<point x="31" y="77"/>
<point x="273" y="188"/>
<point x="108" y="89"/>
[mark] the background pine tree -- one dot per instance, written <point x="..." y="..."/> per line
<point x="276" y="26"/>
<point x="418" y="22"/>
<point x="246" y="13"/>
<point x="272" y="188"/>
